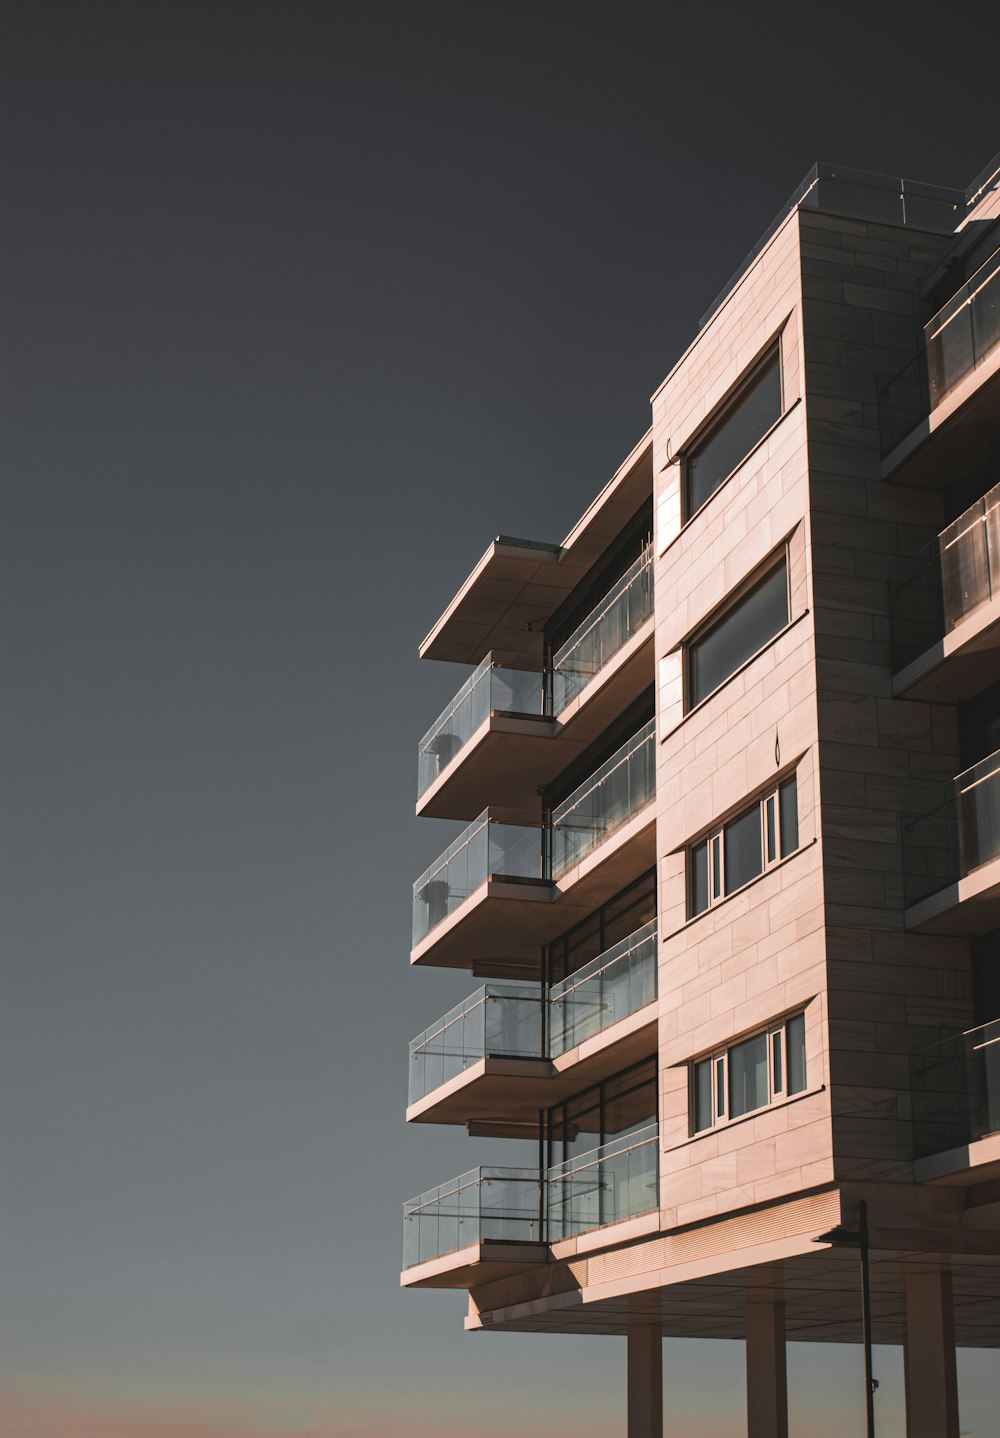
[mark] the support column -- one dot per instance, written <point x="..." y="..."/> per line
<point x="767" y="1386"/>
<point x="645" y="1380"/>
<point x="929" y="1368"/>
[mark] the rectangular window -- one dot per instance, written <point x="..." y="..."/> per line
<point x="742" y="422"/>
<point x="735" y="854"/>
<point x="744" y="628"/>
<point x="749" y="1075"/>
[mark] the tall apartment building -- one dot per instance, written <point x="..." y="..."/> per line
<point x="729" y="765"/>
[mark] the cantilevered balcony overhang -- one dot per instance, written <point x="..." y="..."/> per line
<point x="955" y="1097"/>
<point x="507" y="886"/>
<point x="509" y="1050"/>
<point x="486" y="1224"/>
<point x="491" y="1222"/>
<point x="518" y="585"/>
<point x="948" y="390"/>
<point x="945" y="610"/>
<point x="951" y="855"/>
<point x="510" y="731"/>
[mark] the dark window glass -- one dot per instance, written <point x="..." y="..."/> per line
<point x="748" y="1076"/>
<point x="699" y="879"/>
<point x="789" y="802"/>
<point x="776" y="1066"/>
<point x="742" y="630"/>
<point x="795" y="1037"/>
<point x="746" y="420"/>
<point x="742" y="849"/>
<point x="629" y="1110"/>
<point x="772" y="851"/>
<point x="703" y="1117"/>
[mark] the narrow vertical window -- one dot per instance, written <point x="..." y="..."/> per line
<point x="789" y="804"/>
<point x="795" y="1033"/>
<point x="703" y="1115"/>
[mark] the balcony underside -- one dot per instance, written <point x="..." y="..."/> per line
<point x="478" y="1263"/>
<point x="959" y="432"/>
<point x="971" y="905"/>
<point x="961" y="665"/>
<point x="514" y="757"/>
<point x="502" y="1096"/>
<point x="819" y="1288"/>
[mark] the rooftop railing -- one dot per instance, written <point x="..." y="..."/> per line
<point x="620" y="614"/>
<point x="500" y="844"/>
<point x="617" y="983"/>
<point x="614" y="794"/>
<point x="957" y="340"/>
<point x="948" y="580"/>
<point x="499" y="1019"/>
<point x="955" y="1087"/>
<point x="500" y="1205"/>
<point x="491" y="689"/>
<point x="953" y="832"/>
<point x="618" y="1180"/>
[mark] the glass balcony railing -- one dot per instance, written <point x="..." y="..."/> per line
<point x="500" y="1205"/>
<point x="498" y="844"/>
<point x="955" y="1088"/>
<point x="491" y="689"/>
<point x="954" y="343"/>
<point x="618" y="1180"/>
<point x="619" y="789"/>
<point x="947" y="580"/>
<point x="500" y="1020"/>
<point x="955" y="831"/>
<point x="615" y="984"/>
<point x="618" y="616"/>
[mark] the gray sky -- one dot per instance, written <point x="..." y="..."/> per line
<point x="302" y="304"/>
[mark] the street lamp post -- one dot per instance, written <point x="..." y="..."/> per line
<point x="846" y="1237"/>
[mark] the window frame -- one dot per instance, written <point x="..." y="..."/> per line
<point x="778" y="1069"/>
<point x="733" y="601"/>
<point x="714" y="845"/>
<point x="722" y="412"/>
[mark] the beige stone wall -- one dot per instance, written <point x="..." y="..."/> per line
<point x="759" y="954"/>
<point x="888" y="990"/>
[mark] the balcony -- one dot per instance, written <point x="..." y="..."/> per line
<point x="951" y="855"/>
<point x="481" y="1226"/>
<point x="498" y="734"/>
<point x="619" y="790"/>
<point x="494" y="735"/>
<point x="950" y="385"/>
<point x="945" y="610"/>
<point x="610" y="988"/>
<point x="493" y="1061"/>
<point x="617" y="1181"/>
<point x="508" y="885"/>
<point x="610" y="628"/>
<point x="956" y="1107"/>
<point x="493" y="1221"/>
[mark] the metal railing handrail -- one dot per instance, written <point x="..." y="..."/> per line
<point x="560" y="992"/>
<point x="595" y="616"/>
<point x="614" y="1148"/>
<point x="512" y="817"/>
<point x="478" y="998"/>
<point x="472" y="1178"/>
<point x="620" y="757"/>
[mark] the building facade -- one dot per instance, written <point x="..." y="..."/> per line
<point x="729" y="768"/>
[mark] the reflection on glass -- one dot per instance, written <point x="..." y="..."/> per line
<point x="616" y="1181"/>
<point x="502" y="1019"/>
<point x="489" y="846"/>
<point x="955" y="1087"/>
<point x="742" y="846"/>
<point x="486" y="1204"/>
<point x="954" y="831"/>
<point x="608" y="799"/>
<point x="746" y="420"/>
<point x="703" y="1116"/>
<point x="491" y="689"/>
<point x="744" y="629"/>
<point x="748" y="1076"/>
<point x="615" y="984"/>
<point x="795" y="1038"/>
<point x="619" y="615"/>
<point x="788" y="800"/>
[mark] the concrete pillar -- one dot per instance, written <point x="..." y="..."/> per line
<point x="645" y="1380"/>
<point x="929" y="1357"/>
<point x="767" y="1386"/>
